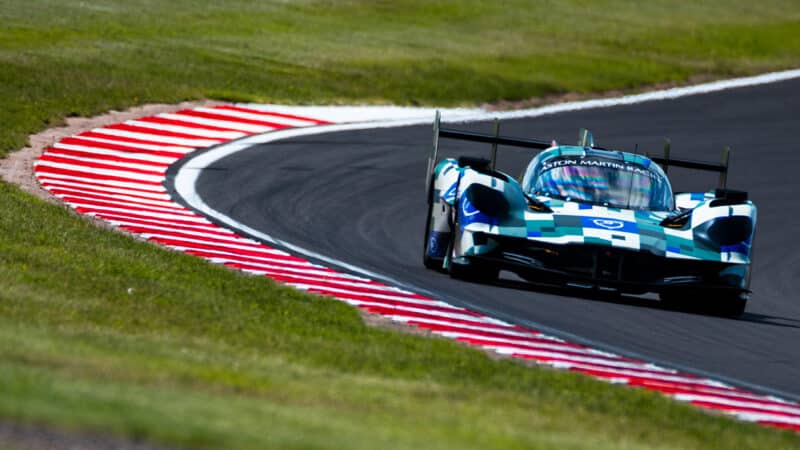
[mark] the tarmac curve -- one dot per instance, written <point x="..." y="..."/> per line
<point x="358" y="195"/>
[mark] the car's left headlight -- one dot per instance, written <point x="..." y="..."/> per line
<point x="487" y="200"/>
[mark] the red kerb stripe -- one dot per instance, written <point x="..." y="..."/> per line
<point x="119" y="147"/>
<point x="93" y="165"/>
<point x="88" y="154"/>
<point x="130" y="140"/>
<point x="181" y="123"/>
<point x="745" y="409"/>
<point x="155" y="132"/>
<point x="274" y="114"/>
<point x="227" y="118"/>
<point x="92" y="176"/>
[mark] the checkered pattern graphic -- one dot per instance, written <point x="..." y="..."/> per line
<point x="579" y="223"/>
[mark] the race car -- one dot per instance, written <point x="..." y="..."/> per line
<point x="589" y="217"/>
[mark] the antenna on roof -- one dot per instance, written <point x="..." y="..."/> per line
<point x="665" y="164"/>
<point x="494" y="144"/>
<point x="723" y="175"/>
<point x="585" y="138"/>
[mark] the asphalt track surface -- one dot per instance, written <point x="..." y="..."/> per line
<point x="358" y="196"/>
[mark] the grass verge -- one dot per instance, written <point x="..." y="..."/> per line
<point x="98" y="331"/>
<point x="81" y="58"/>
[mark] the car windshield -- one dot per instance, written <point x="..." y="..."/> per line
<point x="601" y="181"/>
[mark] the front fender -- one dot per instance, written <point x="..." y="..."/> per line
<point x="488" y="204"/>
<point x="726" y="229"/>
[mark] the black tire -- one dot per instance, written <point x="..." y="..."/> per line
<point x="730" y="305"/>
<point x="475" y="272"/>
<point x="725" y="303"/>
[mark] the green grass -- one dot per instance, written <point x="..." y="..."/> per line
<point x="199" y="356"/>
<point x="81" y="58"/>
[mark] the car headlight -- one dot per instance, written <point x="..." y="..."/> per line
<point x="726" y="231"/>
<point x="487" y="200"/>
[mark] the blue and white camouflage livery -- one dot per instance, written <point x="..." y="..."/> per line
<point x="555" y="225"/>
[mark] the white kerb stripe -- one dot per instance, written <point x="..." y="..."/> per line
<point x="198" y="132"/>
<point x="196" y="143"/>
<point x="240" y="126"/>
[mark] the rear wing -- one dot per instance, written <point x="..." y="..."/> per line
<point x="722" y="168"/>
<point x="585" y="139"/>
<point x="494" y="139"/>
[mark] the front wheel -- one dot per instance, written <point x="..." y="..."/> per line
<point x="474" y="272"/>
<point x="730" y="305"/>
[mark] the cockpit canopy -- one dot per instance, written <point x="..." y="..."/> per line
<point x="599" y="177"/>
